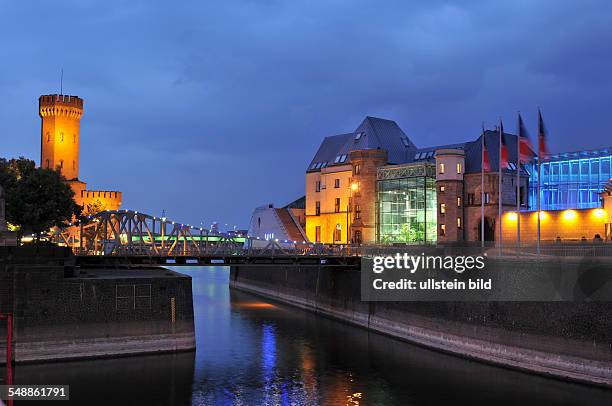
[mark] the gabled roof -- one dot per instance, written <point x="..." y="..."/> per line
<point x="372" y="133"/>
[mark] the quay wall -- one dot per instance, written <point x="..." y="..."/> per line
<point x="62" y="312"/>
<point x="569" y="340"/>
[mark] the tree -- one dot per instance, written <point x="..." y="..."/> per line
<point x="37" y="199"/>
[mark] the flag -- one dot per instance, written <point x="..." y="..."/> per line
<point x="503" y="161"/>
<point x="542" y="135"/>
<point x="525" y="147"/>
<point x="486" y="166"/>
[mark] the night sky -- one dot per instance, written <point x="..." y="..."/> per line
<point x="208" y="109"/>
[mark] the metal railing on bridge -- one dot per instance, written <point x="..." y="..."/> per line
<point x="130" y="233"/>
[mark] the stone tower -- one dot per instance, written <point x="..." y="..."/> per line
<point x="61" y="122"/>
<point x="59" y="149"/>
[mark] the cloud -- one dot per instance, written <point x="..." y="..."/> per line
<point x="226" y="102"/>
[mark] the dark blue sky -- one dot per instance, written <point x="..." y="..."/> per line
<point x="207" y="109"/>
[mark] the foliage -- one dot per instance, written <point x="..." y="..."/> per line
<point x="37" y="199"/>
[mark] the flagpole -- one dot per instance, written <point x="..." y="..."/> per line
<point x="539" y="176"/>
<point x="518" y="188"/>
<point x="499" y="186"/>
<point x="482" y="219"/>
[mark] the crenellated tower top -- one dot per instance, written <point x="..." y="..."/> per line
<point x="60" y="105"/>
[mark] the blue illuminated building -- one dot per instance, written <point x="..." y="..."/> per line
<point x="571" y="180"/>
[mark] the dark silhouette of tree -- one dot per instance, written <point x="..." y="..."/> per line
<point x="37" y="199"/>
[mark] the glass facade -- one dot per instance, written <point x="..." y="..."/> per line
<point x="571" y="180"/>
<point x="407" y="204"/>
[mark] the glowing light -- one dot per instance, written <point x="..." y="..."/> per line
<point x="354" y="186"/>
<point x="512" y="216"/>
<point x="599" y="213"/>
<point x="543" y="215"/>
<point x="569" y="215"/>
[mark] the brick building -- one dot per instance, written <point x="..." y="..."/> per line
<point x="375" y="185"/>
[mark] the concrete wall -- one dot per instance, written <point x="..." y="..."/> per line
<point x="567" y="340"/>
<point x="63" y="313"/>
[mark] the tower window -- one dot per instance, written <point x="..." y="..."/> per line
<point x="48" y="137"/>
<point x="458" y="201"/>
<point x="73" y="164"/>
<point x="442" y="168"/>
<point x="62" y="137"/>
<point x="442" y="208"/>
<point x="442" y="230"/>
<point x="47" y="164"/>
<point x="459" y="167"/>
<point x="458" y="222"/>
<point x="74" y="138"/>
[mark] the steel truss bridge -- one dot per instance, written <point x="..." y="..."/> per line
<point x="140" y="238"/>
<point x="129" y="237"/>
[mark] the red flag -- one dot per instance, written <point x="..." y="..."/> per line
<point x="486" y="166"/>
<point x="525" y="147"/>
<point x="503" y="162"/>
<point x="542" y="135"/>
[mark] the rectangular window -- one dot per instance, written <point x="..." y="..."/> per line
<point x="357" y="169"/>
<point x="442" y="189"/>
<point x="357" y="212"/>
<point x="459" y="167"/>
<point x="317" y="233"/>
<point x="337" y="205"/>
<point x="318" y="208"/>
<point x="318" y="186"/>
<point x="486" y="198"/>
<point x="458" y="201"/>
<point x="336" y="183"/>
<point x="442" y="168"/>
<point x="442" y="230"/>
<point x="338" y="234"/>
<point x="470" y="199"/>
<point x="442" y="208"/>
<point x="458" y="222"/>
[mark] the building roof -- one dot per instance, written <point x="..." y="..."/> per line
<point x="378" y="133"/>
<point x="372" y="133"/>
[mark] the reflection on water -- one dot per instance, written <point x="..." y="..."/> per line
<point x="253" y="352"/>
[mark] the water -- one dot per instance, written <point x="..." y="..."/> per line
<point x="253" y="351"/>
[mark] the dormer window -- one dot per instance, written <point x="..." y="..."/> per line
<point x="359" y="135"/>
<point x="405" y="141"/>
<point x="343" y="158"/>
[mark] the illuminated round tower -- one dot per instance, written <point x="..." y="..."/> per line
<point x="61" y="122"/>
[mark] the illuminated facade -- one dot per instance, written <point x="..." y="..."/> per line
<point x="572" y="180"/>
<point x="375" y="186"/>
<point x="407" y="203"/>
<point x="60" y="138"/>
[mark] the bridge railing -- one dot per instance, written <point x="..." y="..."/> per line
<point x="129" y="233"/>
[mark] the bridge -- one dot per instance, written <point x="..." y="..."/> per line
<point x="120" y="236"/>
<point x="125" y="236"/>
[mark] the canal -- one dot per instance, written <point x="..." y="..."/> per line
<point x="256" y="352"/>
